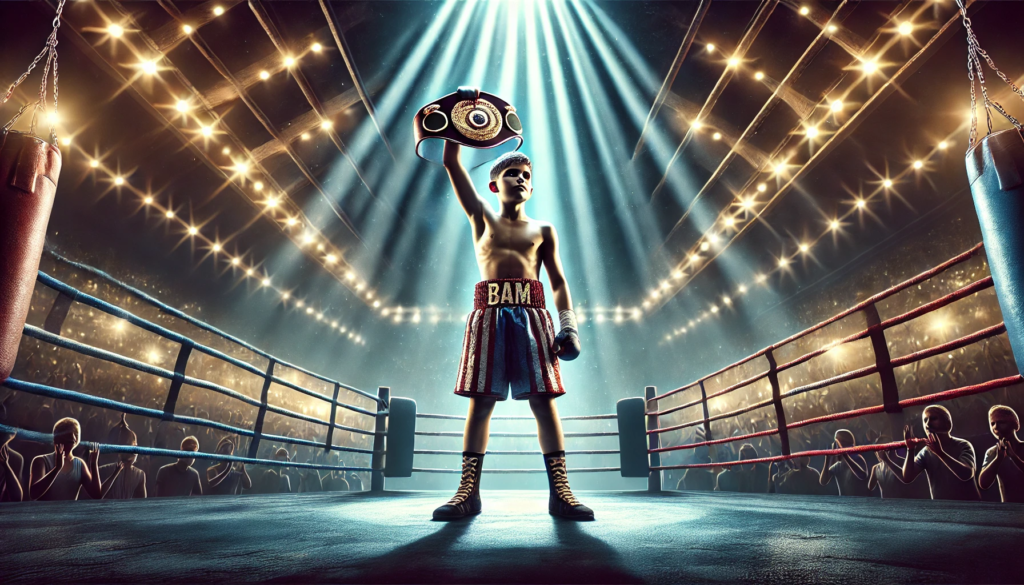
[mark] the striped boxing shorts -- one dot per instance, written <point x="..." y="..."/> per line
<point x="508" y="343"/>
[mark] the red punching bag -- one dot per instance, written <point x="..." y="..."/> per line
<point x="29" y="168"/>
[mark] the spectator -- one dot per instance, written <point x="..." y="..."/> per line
<point x="309" y="480"/>
<point x="124" y="480"/>
<point x="354" y="482"/>
<point x="850" y="472"/>
<point x="335" y="480"/>
<point x="10" y="472"/>
<point x="699" y="478"/>
<point x="738" y="479"/>
<point x="180" y="478"/>
<point x="223" y="478"/>
<point x="1003" y="460"/>
<point x="886" y="476"/>
<point x="274" y="481"/>
<point x="60" y="475"/>
<point x="799" y="480"/>
<point x="949" y="461"/>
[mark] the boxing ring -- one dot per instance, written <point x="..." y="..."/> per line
<point x="652" y="535"/>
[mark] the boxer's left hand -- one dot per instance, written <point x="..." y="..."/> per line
<point x="567" y="342"/>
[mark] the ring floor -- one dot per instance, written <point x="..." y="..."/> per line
<point x="674" y="537"/>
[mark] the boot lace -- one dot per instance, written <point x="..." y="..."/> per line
<point x="560" y="478"/>
<point x="468" y="481"/>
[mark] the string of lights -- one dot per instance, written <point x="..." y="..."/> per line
<point x="192" y="110"/>
<point x="746" y="208"/>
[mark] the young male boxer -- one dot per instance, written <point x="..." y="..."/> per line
<point x="510" y="339"/>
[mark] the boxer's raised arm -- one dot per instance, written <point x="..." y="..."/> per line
<point x="470" y="200"/>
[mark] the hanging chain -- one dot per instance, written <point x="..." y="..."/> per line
<point x="50" y="52"/>
<point x="974" y="67"/>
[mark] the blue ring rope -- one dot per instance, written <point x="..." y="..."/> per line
<point x="202" y="325"/>
<point x="178" y="338"/>
<point x="46" y="438"/>
<point x="51" y="392"/>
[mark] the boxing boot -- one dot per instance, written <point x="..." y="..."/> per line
<point x="467" y="498"/>
<point x="561" y="502"/>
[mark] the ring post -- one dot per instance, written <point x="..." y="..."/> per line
<point x="629" y="412"/>
<point x="254" y="444"/>
<point x="653" y="441"/>
<point x="377" y="459"/>
<point x="780" y="413"/>
<point x="401" y="440"/>
<point x="704" y="408"/>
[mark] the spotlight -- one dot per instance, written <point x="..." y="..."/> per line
<point x="218" y="10"/>
<point x="192" y="230"/>
<point x="837" y="106"/>
<point x="148" y="200"/>
<point x="285" y="295"/>
<point x="265" y="282"/>
<point x="206" y="131"/>
<point x="316" y="47"/>
<point x="249" y="272"/>
<point x="350" y="275"/>
<point x="711" y="48"/>
<point x="887" y="183"/>
<point x="148" y="67"/>
<point x="742" y="288"/>
<point x="272" y="203"/>
<point x="861" y="203"/>
<point x="216" y="247"/>
<point x="943" y="145"/>
<point x="716" y="136"/>
<point x="169" y="214"/>
<point x="305" y="136"/>
<point x="307" y="239"/>
<point x="870" y="66"/>
<point x="236" y="261"/>
<point x="734" y="62"/>
<point x="264" y="75"/>
<point x="115" y="30"/>
<point x="258" y="185"/>
<point x="186" y="29"/>
<point x="299" y="304"/>
<point x="696" y="125"/>
<point x="288" y="61"/>
<point x="695" y="257"/>
<point x="376" y="304"/>
<point x="94" y="163"/>
<point x="729" y="221"/>
<point x="66" y="141"/>
<point x="918" y="164"/>
<point x="834" y="225"/>
<point x="761" y="187"/>
<point x="291" y="221"/>
<point x="780" y="168"/>
<point x="783" y="262"/>
<point x="759" y="76"/>
<point x="804" y="11"/>
<point x="326" y="124"/>
<point x="832" y="28"/>
<point x="181" y="106"/>
<point x="119" y="181"/>
<point x="804" y="248"/>
<point x="747" y="204"/>
<point x="331" y="258"/>
<point x="242" y="167"/>
<point x="812" y="132"/>
<point x="714" y="308"/>
<point x="906" y="28"/>
<point x="713" y="238"/>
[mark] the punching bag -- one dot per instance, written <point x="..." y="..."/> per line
<point x="995" y="167"/>
<point x="29" y="168"/>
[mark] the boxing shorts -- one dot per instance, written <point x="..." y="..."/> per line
<point x="508" y="343"/>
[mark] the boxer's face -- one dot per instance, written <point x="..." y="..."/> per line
<point x="514" y="185"/>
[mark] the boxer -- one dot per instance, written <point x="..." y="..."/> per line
<point x="510" y="340"/>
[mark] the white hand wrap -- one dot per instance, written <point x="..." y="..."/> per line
<point x="567" y="321"/>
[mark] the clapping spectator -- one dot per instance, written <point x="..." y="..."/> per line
<point x="949" y="461"/>
<point x="1003" y="461"/>
<point x="850" y="471"/>
<point x="223" y="477"/>
<point x="60" y="475"/>
<point x="180" y="478"/>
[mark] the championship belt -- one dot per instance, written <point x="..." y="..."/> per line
<point x="469" y="117"/>
<point x="29" y="168"/>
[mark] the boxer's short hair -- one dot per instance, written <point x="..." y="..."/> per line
<point x="1007" y="411"/>
<point x="507" y="160"/>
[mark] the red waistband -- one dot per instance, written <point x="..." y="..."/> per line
<point x="509" y="292"/>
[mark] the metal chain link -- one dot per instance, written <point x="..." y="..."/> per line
<point x="974" y="67"/>
<point x="50" y="51"/>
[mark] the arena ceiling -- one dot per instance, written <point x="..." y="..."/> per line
<point x="706" y="159"/>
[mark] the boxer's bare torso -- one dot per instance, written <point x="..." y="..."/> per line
<point x="508" y="244"/>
